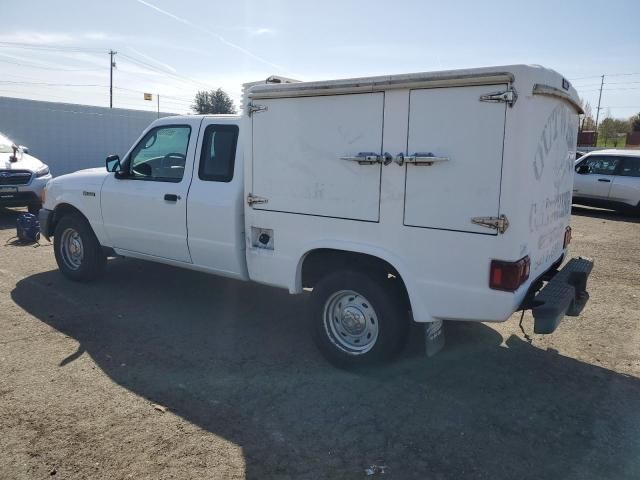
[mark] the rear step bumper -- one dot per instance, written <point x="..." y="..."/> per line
<point x="565" y="294"/>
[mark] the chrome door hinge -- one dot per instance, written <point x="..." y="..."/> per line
<point x="508" y="96"/>
<point x="254" y="199"/>
<point x="497" y="223"/>
<point x="253" y="108"/>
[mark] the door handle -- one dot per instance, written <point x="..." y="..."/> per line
<point x="604" y="180"/>
<point x="171" y="197"/>
<point x="364" y="158"/>
<point x="419" y="159"/>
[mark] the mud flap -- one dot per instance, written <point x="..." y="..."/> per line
<point x="434" y="337"/>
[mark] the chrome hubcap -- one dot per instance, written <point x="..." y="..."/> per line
<point x="72" y="250"/>
<point x="350" y="322"/>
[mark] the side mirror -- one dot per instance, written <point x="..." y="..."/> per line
<point x="113" y="164"/>
<point x="583" y="169"/>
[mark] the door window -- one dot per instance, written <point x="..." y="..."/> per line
<point x="161" y="155"/>
<point x="218" y="153"/>
<point x="602" y="165"/>
<point x="630" y="167"/>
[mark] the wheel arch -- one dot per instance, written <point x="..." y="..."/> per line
<point x="319" y="259"/>
<point x="63" y="209"/>
<point x="91" y="213"/>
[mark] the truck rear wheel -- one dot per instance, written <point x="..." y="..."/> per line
<point x="356" y="319"/>
<point x="77" y="250"/>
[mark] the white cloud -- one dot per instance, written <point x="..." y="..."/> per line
<point x="211" y="33"/>
<point x="261" y="31"/>
<point x="97" y="36"/>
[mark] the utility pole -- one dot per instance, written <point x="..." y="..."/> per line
<point x="111" y="65"/>
<point x="598" y="109"/>
<point x="158" y="98"/>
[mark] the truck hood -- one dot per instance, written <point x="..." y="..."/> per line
<point x="25" y="162"/>
<point x="93" y="176"/>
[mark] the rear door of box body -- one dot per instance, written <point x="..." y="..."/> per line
<point x="466" y="135"/>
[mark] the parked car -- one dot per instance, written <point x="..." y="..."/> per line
<point x="609" y="179"/>
<point x="301" y="192"/>
<point x="22" y="177"/>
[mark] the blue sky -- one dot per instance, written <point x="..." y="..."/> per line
<point x="177" y="47"/>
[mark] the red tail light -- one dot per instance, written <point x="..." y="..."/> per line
<point x="508" y="276"/>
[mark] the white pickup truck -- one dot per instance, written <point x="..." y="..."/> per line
<point x="430" y="196"/>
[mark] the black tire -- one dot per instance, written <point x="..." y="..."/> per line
<point x="382" y="298"/>
<point x="93" y="260"/>
<point x="34" y="208"/>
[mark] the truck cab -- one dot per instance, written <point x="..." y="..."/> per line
<point x="431" y="196"/>
<point x="181" y="167"/>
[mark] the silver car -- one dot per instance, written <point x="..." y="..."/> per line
<point x="609" y="179"/>
<point x="22" y="177"/>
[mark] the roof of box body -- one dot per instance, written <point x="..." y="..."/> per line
<point x="549" y="81"/>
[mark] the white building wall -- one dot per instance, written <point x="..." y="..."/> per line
<point x="71" y="137"/>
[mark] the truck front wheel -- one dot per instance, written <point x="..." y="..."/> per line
<point x="77" y="250"/>
<point x="357" y="319"/>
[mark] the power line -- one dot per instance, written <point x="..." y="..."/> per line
<point x="42" y="67"/>
<point x="96" y="50"/>
<point x="606" y="74"/>
<point x="608" y="83"/>
<point x="183" y="103"/>
<point x="47" y="84"/>
<point x="622" y="106"/>
<point x="609" y="89"/>
<point x="31" y="46"/>
<point x="167" y="99"/>
<point x="621" y="74"/>
<point x="50" y="84"/>
<point x="144" y="64"/>
<point x="165" y="72"/>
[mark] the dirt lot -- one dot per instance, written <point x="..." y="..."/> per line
<point x="248" y="396"/>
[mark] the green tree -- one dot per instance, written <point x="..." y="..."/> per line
<point x="635" y="123"/>
<point x="606" y="130"/>
<point x="612" y="129"/>
<point x="213" y="102"/>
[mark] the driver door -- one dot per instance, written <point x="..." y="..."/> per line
<point x="144" y="207"/>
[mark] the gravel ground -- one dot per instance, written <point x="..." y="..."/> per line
<point x="86" y="371"/>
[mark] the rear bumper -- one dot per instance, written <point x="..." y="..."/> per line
<point x="564" y="294"/>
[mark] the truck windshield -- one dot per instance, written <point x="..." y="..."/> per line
<point x="5" y="144"/>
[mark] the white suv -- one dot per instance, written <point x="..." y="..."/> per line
<point x="22" y="177"/>
<point x="608" y="178"/>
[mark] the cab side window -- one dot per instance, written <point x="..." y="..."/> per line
<point x="161" y="155"/>
<point x="602" y="165"/>
<point x="218" y="153"/>
<point x="630" y="167"/>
